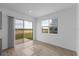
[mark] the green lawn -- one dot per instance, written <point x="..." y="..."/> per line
<point x="27" y="34"/>
<point x="19" y="36"/>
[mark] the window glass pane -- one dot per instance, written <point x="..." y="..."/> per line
<point x="27" y="25"/>
<point x="53" y="26"/>
<point x="45" y="29"/>
<point x="45" y="23"/>
<point x="19" y="31"/>
<point x="45" y="26"/>
<point x="19" y="24"/>
<point x="28" y="30"/>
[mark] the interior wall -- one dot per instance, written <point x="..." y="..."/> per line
<point x="66" y="36"/>
<point x="78" y="29"/>
<point x="4" y="31"/>
<point x="34" y="24"/>
<point x="0" y="33"/>
<point x="0" y="23"/>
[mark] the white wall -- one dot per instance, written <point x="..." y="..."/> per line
<point x="0" y="33"/>
<point x="78" y="29"/>
<point x="4" y="31"/>
<point x="34" y="29"/>
<point x="5" y="13"/>
<point x="66" y="36"/>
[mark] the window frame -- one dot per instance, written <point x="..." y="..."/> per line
<point x="48" y="32"/>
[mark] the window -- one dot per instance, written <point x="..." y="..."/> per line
<point x="50" y="26"/>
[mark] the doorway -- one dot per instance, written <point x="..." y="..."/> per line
<point x="23" y="31"/>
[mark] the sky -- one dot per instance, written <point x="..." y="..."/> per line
<point x="19" y="24"/>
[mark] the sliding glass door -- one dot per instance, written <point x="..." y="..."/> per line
<point x="23" y="31"/>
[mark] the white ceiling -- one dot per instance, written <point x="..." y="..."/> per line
<point x="36" y="9"/>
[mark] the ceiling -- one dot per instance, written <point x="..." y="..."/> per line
<point x="36" y="9"/>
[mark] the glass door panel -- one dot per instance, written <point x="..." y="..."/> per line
<point x="19" y="27"/>
<point x="28" y="31"/>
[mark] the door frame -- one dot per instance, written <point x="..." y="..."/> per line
<point x="23" y="31"/>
